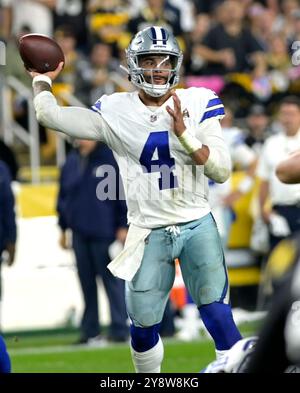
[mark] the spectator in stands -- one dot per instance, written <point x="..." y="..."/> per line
<point x="278" y="63"/>
<point x="229" y="46"/>
<point x="261" y="22"/>
<point x="95" y="225"/>
<point x="283" y="216"/>
<point x="278" y="57"/>
<point x="8" y="231"/>
<point x="295" y="34"/>
<point x="72" y="13"/>
<point x="65" y="37"/>
<point x="284" y="21"/>
<point x="206" y="7"/>
<point x="107" y="22"/>
<point x="157" y="13"/>
<point x="15" y="66"/>
<point x="293" y="47"/>
<point x="202" y="25"/>
<point x="33" y="13"/>
<point x="257" y="122"/>
<point x="92" y="79"/>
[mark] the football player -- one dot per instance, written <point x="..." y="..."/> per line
<point x="167" y="143"/>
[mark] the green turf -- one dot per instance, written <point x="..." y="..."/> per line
<point x="27" y="341"/>
<point x="53" y="353"/>
<point x="179" y="357"/>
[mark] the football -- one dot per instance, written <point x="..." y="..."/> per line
<point x="40" y="53"/>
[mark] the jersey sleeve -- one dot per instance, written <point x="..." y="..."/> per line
<point x="208" y="110"/>
<point x="106" y="109"/>
<point x="212" y="106"/>
<point x="218" y="166"/>
<point x="77" y="122"/>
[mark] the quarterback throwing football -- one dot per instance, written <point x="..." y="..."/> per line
<point x="167" y="143"/>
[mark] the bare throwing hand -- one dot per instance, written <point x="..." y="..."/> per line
<point x="176" y="114"/>
<point x="51" y="74"/>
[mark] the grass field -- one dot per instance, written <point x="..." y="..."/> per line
<point x="54" y="353"/>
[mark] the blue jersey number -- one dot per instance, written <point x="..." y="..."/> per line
<point x="164" y="164"/>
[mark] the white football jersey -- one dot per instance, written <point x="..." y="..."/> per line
<point x="163" y="185"/>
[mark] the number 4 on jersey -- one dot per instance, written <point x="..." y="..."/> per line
<point x="165" y="164"/>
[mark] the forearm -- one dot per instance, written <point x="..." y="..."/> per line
<point x="218" y="165"/>
<point x="207" y="147"/>
<point x="209" y="54"/>
<point x="74" y="121"/>
<point x="263" y="196"/>
<point x="288" y="171"/>
<point x="216" y="161"/>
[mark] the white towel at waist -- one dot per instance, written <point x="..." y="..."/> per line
<point x="127" y="263"/>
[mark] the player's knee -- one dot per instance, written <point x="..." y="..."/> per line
<point x="144" y="338"/>
<point x="146" y="319"/>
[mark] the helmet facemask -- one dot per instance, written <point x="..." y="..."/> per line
<point x="144" y="77"/>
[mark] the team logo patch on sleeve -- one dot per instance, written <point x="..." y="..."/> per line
<point x="97" y="106"/>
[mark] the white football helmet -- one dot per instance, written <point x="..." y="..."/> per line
<point x="236" y="359"/>
<point x="153" y="40"/>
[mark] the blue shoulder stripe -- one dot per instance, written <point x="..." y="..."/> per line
<point x="213" y="102"/>
<point x="94" y="109"/>
<point x="97" y="105"/>
<point x="213" y="113"/>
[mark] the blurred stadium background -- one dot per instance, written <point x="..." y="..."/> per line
<point x="42" y="305"/>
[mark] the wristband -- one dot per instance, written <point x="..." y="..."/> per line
<point x="41" y="78"/>
<point x="246" y="184"/>
<point x="189" y="142"/>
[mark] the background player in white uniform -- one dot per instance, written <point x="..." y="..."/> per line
<point x="165" y="143"/>
<point x="221" y="196"/>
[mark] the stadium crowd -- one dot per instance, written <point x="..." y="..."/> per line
<point x="245" y="50"/>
